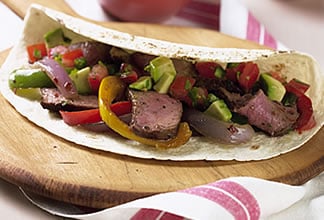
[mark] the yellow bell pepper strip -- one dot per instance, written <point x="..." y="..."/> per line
<point x="110" y="88"/>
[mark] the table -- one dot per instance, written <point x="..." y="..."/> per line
<point x="304" y="19"/>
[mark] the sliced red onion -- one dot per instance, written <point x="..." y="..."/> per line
<point x="59" y="77"/>
<point x="221" y="131"/>
<point x="98" y="127"/>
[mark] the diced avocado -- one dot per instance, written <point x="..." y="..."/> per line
<point x="55" y="38"/>
<point x="219" y="72"/>
<point x="219" y="110"/>
<point x="164" y="83"/>
<point x="29" y="78"/>
<point x="160" y="65"/>
<point x="80" y="79"/>
<point x="144" y="83"/>
<point x="212" y="98"/>
<point x="273" y="88"/>
<point x="29" y="93"/>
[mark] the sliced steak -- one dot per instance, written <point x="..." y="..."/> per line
<point x="155" y="115"/>
<point x="269" y="116"/>
<point x="53" y="100"/>
<point x="93" y="51"/>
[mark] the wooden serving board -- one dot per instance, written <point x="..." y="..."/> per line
<point x="47" y="165"/>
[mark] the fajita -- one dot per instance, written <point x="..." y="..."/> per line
<point x="289" y="64"/>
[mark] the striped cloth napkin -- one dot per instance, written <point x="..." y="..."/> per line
<point x="239" y="198"/>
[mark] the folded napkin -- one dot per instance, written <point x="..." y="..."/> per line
<point x="231" y="198"/>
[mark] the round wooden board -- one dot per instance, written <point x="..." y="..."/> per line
<point x="50" y="166"/>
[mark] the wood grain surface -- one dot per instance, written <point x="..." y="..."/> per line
<point x="50" y="166"/>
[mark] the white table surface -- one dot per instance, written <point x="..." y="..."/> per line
<point x="298" y="24"/>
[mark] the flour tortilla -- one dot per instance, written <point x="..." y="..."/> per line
<point x="40" y="20"/>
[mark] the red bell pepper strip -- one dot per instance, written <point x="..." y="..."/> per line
<point x="121" y="108"/>
<point x="306" y="118"/>
<point x="36" y="52"/>
<point x="93" y="115"/>
<point x="81" y="117"/>
<point x="297" y="87"/>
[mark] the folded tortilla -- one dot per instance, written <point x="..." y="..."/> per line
<point x="40" y="20"/>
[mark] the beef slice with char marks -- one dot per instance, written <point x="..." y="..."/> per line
<point x="155" y="115"/>
<point x="269" y="116"/>
<point x="54" y="101"/>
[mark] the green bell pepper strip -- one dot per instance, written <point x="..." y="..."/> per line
<point x="29" y="78"/>
<point x="110" y="88"/>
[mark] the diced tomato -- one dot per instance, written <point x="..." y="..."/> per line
<point x="97" y="73"/>
<point x="36" y="52"/>
<point x="128" y="74"/>
<point x="121" y="108"/>
<point x="297" y="87"/>
<point x="249" y="76"/>
<point x="306" y="118"/>
<point x="69" y="57"/>
<point x="129" y="77"/>
<point x="233" y="71"/>
<point x="81" y="117"/>
<point x="181" y="86"/>
<point x="207" y="69"/>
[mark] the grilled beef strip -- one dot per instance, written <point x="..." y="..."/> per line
<point x="53" y="100"/>
<point x="155" y="115"/>
<point x="269" y="116"/>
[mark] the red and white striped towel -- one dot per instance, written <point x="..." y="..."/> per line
<point x="237" y="21"/>
<point x="240" y="198"/>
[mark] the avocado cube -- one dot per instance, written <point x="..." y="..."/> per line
<point x="273" y="88"/>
